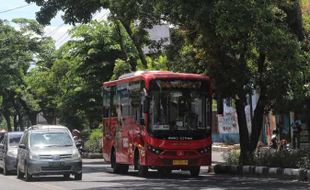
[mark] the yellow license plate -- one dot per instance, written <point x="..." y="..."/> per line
<point x="180" y="162"/>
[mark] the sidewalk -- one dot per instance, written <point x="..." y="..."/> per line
<point x="221" y="147"/>
<point x="219" y="166"/>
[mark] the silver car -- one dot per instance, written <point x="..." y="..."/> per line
<point x="8" y="151"/>
<point x="48" y="150"/>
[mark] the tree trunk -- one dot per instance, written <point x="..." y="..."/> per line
<point x="294" y="18"/>
<point x="136" y="42"/>
<point x="15" y="122"/>
<point x="7" y="118"/>
<point x="243" y="131"/>
<point x="33" y="118"/>
<point x="50" y="117"/>
<point x="132" y="64"/>
<point x="257" y="122"/>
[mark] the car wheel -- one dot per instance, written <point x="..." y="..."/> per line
<point x="19" y="174"/>
<point x="67" y="176"/>
<point x="28" y="177"/>
<point x="5" y="170"/>
<point x="78" y="176"/>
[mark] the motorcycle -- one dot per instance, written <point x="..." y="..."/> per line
<point x="274" y="142"/>
<point x="79" y="145"/>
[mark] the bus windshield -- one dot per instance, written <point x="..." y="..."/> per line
<point x="178" y="112"/>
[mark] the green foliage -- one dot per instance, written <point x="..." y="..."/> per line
<point x="19" y="48"/>
<point x="94" y="143"/>
<point x="271" y="158"/>
<point x="121" y="67"/>
<point x="185" y="55"/>
<point x="284" y="159"/>
<point x="157" y="63"/>
<point x="232" y="157"/>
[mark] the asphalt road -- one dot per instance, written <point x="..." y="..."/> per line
<point x="98" y="175"/>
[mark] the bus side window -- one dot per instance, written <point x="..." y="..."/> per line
<point x="106" y="102"/>
<point x="135" y="100"/>
<point x="113" y="102"/>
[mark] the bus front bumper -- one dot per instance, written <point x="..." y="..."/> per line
<point x="177" y="162"/>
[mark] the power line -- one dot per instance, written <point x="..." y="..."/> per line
<point x="5" y="11"/>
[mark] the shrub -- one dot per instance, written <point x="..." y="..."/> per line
<point x="232" y="157"/>
<point x="272" y="158"/>
<point x="94" y="143"/>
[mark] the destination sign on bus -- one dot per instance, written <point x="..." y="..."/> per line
<point x="180" y="84"/>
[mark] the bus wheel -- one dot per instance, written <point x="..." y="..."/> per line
<point x="142" y="170"/>
<point x="115" y="166"/>
<point x="195" y="171"/>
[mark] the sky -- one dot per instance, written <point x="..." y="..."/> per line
<point x="10" y="9"/>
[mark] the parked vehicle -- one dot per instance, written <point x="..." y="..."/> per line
<point x="48" y="150"/>
<point x="8" y="151"/>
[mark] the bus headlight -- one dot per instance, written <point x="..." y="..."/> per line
<point x="205" y="150"/>
<point x="154" y="150"/>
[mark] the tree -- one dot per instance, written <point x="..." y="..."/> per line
<point x="248" y="45"/>
<point x="17" y="49"/>
<point x="94" y="50"/>
<point x="83" y="11"/>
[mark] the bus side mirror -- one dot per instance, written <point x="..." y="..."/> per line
<point x="146" y="105"/>
<point x="142" y="121"/>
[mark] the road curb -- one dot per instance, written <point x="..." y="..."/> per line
<point x="264" y="171"/>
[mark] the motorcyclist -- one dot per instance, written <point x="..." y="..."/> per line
<point x="78" y="140"/>
<point x="274" y="140"/>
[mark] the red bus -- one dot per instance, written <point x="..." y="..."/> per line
<point x="157" y="120"/>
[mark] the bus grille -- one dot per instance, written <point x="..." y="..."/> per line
<point x="186" y="153"/>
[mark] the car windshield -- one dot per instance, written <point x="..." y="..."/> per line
<point x="14" y="139"/>
<point x="50" y="139"/>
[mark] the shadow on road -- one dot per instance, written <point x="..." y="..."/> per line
<point x="182" y="180"/>
<point x="209" y="182"/>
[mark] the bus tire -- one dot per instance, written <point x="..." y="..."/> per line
<point x="115" y="166"/>
<point x="142" y="170"/>
<point x="195" y="171"/>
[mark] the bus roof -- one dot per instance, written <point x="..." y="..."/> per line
<point x="149" y="75"/>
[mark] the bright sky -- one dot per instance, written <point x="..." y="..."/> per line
<point x="10" y="9"/>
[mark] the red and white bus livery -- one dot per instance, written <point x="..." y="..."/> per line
<point x="159" y="120"/>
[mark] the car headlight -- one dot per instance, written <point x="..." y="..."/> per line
<point x="12" y="153"/>
<point x="33" y="156"/>
<point x="76" y="154"/>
